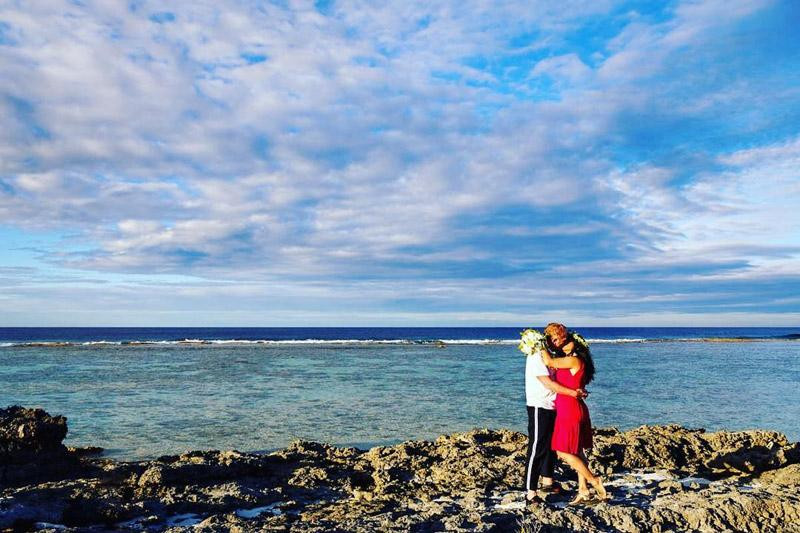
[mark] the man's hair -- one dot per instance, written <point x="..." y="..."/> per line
<point x="554" y="327"/>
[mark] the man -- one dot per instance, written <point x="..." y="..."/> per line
<point x="540" y="395"/>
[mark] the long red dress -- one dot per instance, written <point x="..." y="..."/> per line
<point x="573" y="428"/>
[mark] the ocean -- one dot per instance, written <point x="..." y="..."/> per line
<point x="144" y="392"/>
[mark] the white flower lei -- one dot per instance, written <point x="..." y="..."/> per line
<point x="579" y="339"/>
<point x="531" y="341"/>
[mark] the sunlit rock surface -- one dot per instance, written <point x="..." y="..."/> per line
<point x="662" y="478"/>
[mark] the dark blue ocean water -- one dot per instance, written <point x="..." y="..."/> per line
<point x="142" y="392"/>
<point x="80" y="335"/>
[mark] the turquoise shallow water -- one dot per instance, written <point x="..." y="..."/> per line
<point x="144" y="401"/>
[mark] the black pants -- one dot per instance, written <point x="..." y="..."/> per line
<point x="541" y="458"/>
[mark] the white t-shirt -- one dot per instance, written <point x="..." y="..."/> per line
<point x="536" y="394"/>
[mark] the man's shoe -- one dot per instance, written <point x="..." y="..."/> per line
<point x="553" y="488"/>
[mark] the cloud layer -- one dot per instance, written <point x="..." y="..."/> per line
<point x="345" y="162"/>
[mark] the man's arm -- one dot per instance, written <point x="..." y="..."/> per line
<point x="561" y="389"/>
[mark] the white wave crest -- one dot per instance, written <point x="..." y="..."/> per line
<point x="345" y="342"/>
<point x="478" y="341"/>
<point x="615" y="341"/>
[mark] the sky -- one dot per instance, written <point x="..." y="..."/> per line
<point x="336" y="163"/>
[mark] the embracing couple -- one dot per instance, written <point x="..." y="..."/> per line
<point x="556" y="373"/>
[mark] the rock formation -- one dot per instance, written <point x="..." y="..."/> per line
<point x="31" y="446"/>
<point x="664" y="478"/>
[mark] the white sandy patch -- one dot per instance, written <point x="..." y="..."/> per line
<point x="691" y="479"/>
<point x="254" y="512"/>
<point x="183" y="520"/>
<point x="637" y="479"/>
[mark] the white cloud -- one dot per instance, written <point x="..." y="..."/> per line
<point x="567" y="69"/>
<point x="253" y="142"/>
<point x="747" y="212"/>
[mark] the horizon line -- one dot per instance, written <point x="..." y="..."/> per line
<point x="386" y="327"/>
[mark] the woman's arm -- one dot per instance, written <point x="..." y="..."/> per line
<point x="561" y="362"/>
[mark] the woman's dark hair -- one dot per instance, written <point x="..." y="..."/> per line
<point x="584" y="354"/>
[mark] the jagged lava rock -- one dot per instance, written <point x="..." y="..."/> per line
<point x="31" y="446"/>
<point x="26" y="432"/>
<point x="463" y="482"/>
<point x="693" y="451"/>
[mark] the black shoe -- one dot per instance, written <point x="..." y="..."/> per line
<point x="553" y="488"/>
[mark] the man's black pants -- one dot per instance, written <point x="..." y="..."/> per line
<point x="541" y="458"/>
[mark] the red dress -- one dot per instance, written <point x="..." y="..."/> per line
<point x="573" y="428"/>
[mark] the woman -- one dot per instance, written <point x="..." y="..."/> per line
<point x="572" y="432"/>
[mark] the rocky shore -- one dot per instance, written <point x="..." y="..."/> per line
<point x="662" y="478"/>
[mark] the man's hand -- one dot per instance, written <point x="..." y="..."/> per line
<point x="561" y="389"/>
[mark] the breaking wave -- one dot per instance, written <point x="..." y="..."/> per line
<point x="362" y="342"/>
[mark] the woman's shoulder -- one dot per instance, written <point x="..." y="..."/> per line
<point x="578" y="367"/>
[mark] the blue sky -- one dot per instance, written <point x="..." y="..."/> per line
<point x="404" y="163"/>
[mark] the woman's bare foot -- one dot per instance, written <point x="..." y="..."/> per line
<point x="582" y="497"/>
<point x="600" y="489"/>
